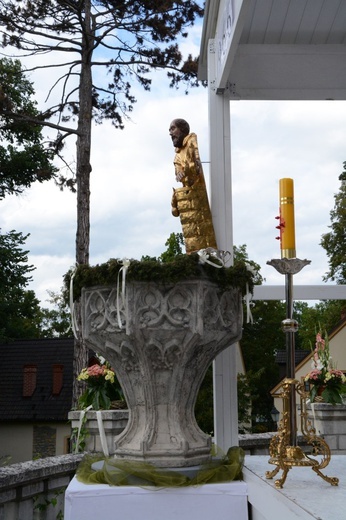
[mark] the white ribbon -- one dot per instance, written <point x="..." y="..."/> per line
<point x="74" y="324"/>
<point x="248" y="296"/>
<point x="80" y="424"/>
<point x="121" y="301"/>
<point x="103" y="438"/>
<point x="313" y="414"/>
<point x="101" y="429"/>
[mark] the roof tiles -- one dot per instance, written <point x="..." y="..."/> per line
<point x="42" y="405"/>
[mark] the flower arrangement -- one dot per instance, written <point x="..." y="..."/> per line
<point x="102" y="387"/>
<point x="324" y="379"/>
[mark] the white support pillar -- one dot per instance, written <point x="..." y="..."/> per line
<point x="225" y="366"/>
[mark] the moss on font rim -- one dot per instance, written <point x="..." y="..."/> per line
<point x="183" y="267"/>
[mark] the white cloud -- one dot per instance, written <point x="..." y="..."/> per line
<point x="132" y="179"/>
<point x="272" y="140"/>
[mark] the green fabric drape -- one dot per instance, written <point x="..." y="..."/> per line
<point x="117" y="472"/>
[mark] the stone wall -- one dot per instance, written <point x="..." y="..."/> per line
<point x="36" y="489"/>
<point x="44" y="441"/>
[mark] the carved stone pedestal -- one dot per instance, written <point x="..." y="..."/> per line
<point x="170" y="334"/>
<point x="329" y="421"/>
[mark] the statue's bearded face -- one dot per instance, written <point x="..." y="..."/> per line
<point x="177" y="135"/>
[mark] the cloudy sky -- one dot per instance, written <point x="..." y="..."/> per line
<point x="133" y="176"/>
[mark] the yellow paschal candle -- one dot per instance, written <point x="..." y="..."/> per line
<point x="287" y="235"/>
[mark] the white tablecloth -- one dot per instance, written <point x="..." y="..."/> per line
<point x="227" y="501"/>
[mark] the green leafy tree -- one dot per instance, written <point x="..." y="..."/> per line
<point x="20" y="314"/>
<point x="24" y="158"/>
<point x="325" y="314"/>
<point x="247" y="394"/>
<point x="101" y="47"/>
<point x="204" y="408"/>
<point x="307" y="318"/>
<point x="175" y="244"/>
<point x="259" y="344"/>
<point x="56" y="320"/>
<point x="252" y="385"/>
<point x="240" y="254"/>
<point x="334" y="242"/>
<point x="330" y="313"/>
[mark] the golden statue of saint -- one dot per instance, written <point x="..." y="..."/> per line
<point x="191" y="201"/>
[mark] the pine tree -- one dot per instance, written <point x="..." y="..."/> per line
<point x="19" y="308"/>
<point x="123" y="42"/>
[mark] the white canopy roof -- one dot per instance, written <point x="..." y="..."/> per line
<point x="277" y="49"/>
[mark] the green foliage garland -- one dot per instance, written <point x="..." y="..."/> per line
<point x="183" y="267"/>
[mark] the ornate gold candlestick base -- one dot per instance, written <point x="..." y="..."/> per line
<point x="284" y="456"/>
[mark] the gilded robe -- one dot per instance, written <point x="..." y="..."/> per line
<point x="191" y="201"/>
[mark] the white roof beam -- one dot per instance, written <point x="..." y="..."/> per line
<point x="300" y="292"/>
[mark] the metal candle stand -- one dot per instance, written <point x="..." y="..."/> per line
<point x="284" y="450"/>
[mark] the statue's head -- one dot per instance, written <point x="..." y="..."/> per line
<point x="178" y="130"/>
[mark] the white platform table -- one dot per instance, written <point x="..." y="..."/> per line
<point x="208" y="502"/>
<point x="305" y="495"/>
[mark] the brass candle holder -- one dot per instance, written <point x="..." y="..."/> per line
<point x="284" y="450"/>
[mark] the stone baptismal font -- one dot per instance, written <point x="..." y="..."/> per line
<point x="161" y="336"/>
<point x="169" y="335"/>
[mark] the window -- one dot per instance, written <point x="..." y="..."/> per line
<point x="29" y="380"/>
<point x="58" y="372"/>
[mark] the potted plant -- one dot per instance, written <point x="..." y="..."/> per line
<point x="102" y="387"/>
<point x="101" y="415"/>
<point x="326" y="382"/>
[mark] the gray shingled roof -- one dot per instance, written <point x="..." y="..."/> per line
<point x="42" y="405"/>
<point x="299" y="356"/>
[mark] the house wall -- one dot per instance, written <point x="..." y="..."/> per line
<point x="338" y="349"/>
<point x="25" y="441"/>
<point x="16" y="441"/>
<point x="63" y="434"/>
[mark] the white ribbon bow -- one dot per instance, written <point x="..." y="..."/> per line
<point x="204" y="255"/>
